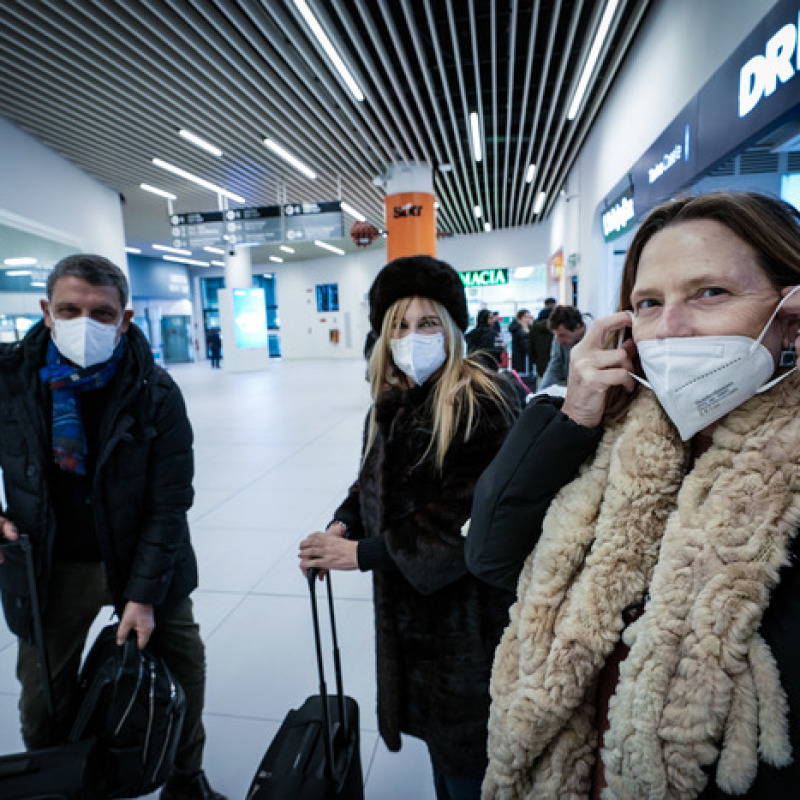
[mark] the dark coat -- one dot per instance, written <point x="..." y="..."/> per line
<point x="142" y="485"/>
<point x="541" y="339"/>
<point x="520" y="348"/>
<point x="485" y="338"/>
<point x="436" y="626"/>
<point x="544" y="452"/>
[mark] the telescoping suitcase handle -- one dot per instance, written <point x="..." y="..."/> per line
<point x="337" y="666"/>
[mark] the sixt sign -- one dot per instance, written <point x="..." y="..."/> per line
<point x="484" y="277"/>
<point x="408" y="210"/>
<point x="761" y="74"/>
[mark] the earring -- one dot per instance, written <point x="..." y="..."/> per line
<point x="788" y="357"/>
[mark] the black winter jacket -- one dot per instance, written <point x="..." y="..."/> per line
<point x="142" y="485"/>
<point x="544" y="452"/>
<point x="436" y="626"/>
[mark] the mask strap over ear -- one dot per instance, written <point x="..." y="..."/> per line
<point x="784" y="362"/>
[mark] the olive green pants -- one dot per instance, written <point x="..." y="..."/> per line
<point x="77" y="593"/>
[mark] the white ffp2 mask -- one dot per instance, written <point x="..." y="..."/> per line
<point x="419" y="355"/>
<point x="700" y="379"/>
<point x="84" y="341"/>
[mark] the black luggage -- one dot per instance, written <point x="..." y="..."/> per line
<point x="315" y="754"/>
<point x="65" y="772"/>
<point x="132" y="704"/>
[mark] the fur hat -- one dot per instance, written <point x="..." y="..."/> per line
<point x="421" y="276"/>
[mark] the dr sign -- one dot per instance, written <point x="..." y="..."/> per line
<point x="760" y="75"/>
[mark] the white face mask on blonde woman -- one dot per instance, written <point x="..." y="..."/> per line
<point x="418" y="347"/>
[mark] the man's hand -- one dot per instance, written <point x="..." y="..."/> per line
<point x="8" y="531"/>
<point x="136" y="617"/>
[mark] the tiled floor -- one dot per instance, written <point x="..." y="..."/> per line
<point x="275" y="452"/>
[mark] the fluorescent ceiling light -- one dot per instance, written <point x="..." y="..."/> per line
<point x="172" y="249"/>
<point x="218" y="263"/>
<point x="276" y="259"/>
<point x="248" y="244"/>
<point x="287" y="156"/>
<point x="326" y="45"/>
<point x="348" y="209"/>
<point x="475" y="132"/>
<point x="191" y="261"/>
<point x="133" y="250"/>
<point x="38" y="283"/>
<point x="330" y="247"/>
<point x="22" y="261"/>
<point x="287" y="249"/>
<point x="160" y="192"/>
<point x="477" y="211"/>
<point x="539" y="204"/>
<point x="201" y="143"/>
<point x="591" y="59"/>
<point x="520" y="273"/>
<point x="487" y="226"/>
<point x="436" y="204"/>
<point x="217" y="250"/>
<point x="182" y="173"/>
<point x="530" y="173"/>
<point x="17" y="273"/>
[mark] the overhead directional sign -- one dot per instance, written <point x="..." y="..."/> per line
<point x="292" y="222"/>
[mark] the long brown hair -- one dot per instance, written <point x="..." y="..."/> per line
<point x="461" y="385"/>
<point x="769" y="225"/>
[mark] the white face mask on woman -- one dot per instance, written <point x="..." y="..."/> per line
<point x="84" y="341"/>
<point x="419" y="355"/>
<point x="700" y="379"/>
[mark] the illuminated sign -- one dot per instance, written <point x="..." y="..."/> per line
<point x="484" y="277"/>
<point x="618" y="218"/>
<point x="250" y="318"/>
<point x="760" y="75"/>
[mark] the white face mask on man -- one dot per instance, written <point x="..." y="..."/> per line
<point x="700" y="379"/>
<point x="84" y="341"/>
<point x="419" y="355"/>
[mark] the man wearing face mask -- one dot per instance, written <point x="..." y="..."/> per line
<point x="649" y="522"/>
<point x="96" y="453"/>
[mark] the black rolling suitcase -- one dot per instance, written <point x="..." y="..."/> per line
<point x="65" y="772"/>
<point x="315" y="754"/>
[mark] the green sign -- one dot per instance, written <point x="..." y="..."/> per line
<point x="484" y="277"/>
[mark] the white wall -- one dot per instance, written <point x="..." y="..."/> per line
<point x="679" y="47"/>
<point x="41" y="188"/>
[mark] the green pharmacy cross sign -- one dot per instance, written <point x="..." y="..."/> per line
<point x="484" y="277"/>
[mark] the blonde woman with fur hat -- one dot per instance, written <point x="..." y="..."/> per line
<point x="653" y="651"/>
<point x="437" y="420"/>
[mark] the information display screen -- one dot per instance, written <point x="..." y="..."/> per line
<point x="250" y="318"/>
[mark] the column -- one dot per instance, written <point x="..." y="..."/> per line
<point x="410" y="213"/>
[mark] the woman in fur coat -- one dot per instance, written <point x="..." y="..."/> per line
<point x="437" y="420"/>
<point x="653" y="647"/>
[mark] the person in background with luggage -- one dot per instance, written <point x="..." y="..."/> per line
<point x="96" y="453"/>
<point x="520" y="352"/>
<point x="438" y="419"/>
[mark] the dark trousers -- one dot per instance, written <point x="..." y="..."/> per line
<point x="77" y="593"/>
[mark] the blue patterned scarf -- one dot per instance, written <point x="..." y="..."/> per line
<point x="66" y="382"/>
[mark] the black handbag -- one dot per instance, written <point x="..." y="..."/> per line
<point x="133" y="705"/>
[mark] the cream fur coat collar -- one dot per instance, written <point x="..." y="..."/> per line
<point x="700" y="685"/>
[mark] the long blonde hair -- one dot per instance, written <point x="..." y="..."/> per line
<point x="461" y="385"/>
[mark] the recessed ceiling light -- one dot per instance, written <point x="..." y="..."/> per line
<point x="287" y="249"/>
<point x="326" y="45"/>
<point x="539" y="205"/>
<point x="478" y="211"/>
<point x="160" y="192"/>
<point x="348" y="209"/>
<point x="475" y="136"/>
<point x="276" y="259"/>
<point x="167" y="249"/>
<point x="530" y="173"/>
<point x="182" y="173"/>
<point x="21" y="261"/>
<point x="193" y="262"/>
<point x="218" y="263"/>
<point x="218" y="250"/>
<point x="289" y="158"/>
<point x="201" y="143"/>
<point x="487" y="226"/>
<point x="18" y="273"/>
<point x="520" y="273"/>
<point x="133" y="250"/>
<point x="330" y="247"/>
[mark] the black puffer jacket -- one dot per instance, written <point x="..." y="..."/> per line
<point x="436" y="626"/>
<point x="142" y="485"/>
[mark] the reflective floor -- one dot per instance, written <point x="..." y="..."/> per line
<point x="274" y="454"/>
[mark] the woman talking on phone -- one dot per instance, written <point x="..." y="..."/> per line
<point x="653" y="648"/>
<point x="437" y="420"/>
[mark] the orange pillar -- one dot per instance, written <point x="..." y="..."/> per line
<point x="410" y="213"/>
